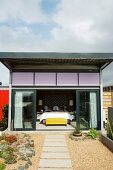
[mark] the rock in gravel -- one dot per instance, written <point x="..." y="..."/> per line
<point x="33" y="152"/>
<point x="21" y="167"/>
<point x="26" y="151"/>
<point x="27" y="144"/>
<point x="29" y="162"/>
<point x="23" y="157"/>
<point x="32" y="143"/>
<point x="26" y="166"/>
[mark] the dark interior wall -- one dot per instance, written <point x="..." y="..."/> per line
<point x="59" y="98"/>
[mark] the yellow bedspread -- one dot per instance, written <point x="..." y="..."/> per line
<point x="56" y="121"/>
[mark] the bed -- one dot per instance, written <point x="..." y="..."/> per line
<point x="55" y="114"/>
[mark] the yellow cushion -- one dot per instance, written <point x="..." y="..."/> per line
<point x="56" y="121"/>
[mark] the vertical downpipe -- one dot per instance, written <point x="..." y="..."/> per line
<point x="10" y="90"/>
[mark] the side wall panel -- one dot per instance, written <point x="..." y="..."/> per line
<point x="4" y="99"/>
<point x="67" y="79"/>
<point x="45" y="79"/>
<point x="22" y="78"/>
<point x="55" y="79"/>
<point x="89" y="79"/>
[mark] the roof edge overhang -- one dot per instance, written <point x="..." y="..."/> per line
<point x="13" y="59"/>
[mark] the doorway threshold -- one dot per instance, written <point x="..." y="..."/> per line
<point x="42" y="127"/>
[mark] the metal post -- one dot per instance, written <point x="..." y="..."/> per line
<point x="10" y="90"/>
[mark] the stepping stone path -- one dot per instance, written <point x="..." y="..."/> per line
<point x="55" y="155"/>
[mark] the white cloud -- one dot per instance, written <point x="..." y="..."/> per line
<point x="86" y="26"/>
<point x="28" y="11"/>
<point x="20" y="39"/>
<point x="81" y="26"/>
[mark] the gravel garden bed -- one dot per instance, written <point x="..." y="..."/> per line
<point x="20" y="151"/>
<point x="89" y="154"/>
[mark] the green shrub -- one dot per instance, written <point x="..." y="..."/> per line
<point x="3" y="124"/>
<point x="77" y="129"/>
<point x="2" y="166"/>
<point x="5" y="111"/>
<point x="10" y="159"/>
<point x="9" y="149"/>
<point x="5" y="155"/>
<point x="93" y="133"/>
<point x="2" y="137"/>
<point x="4" y="121"/>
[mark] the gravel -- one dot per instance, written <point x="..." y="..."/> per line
<point x="89" y="154"/>
<point x="33" y="165"/>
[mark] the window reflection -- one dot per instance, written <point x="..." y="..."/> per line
<point x="23" y="115"/>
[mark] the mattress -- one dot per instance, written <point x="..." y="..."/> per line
<point x="57" y="114"/>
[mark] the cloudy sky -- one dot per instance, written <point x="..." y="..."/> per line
<point x="57" y="25"/>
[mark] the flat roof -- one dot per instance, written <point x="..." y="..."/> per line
<point x="13" y="59"/>
<point x="55" y="55"/>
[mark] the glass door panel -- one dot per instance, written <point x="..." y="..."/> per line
<point x="24" y="110"/>
<point x="87" y="109"/>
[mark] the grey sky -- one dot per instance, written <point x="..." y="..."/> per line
<point x="57" y="25"/>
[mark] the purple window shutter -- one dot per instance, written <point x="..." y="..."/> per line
<point x="67" y="79"/>
<point x="22" y="78"/>
<point x="89" y="79"/>
<point x="45" y="79"/>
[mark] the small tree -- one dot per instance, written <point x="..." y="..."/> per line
<point x="77" y="131"/>
<point x="5" y="110"/>
<point x="4" y="121"/>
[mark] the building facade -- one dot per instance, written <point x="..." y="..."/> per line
<point x="53" y="87"/>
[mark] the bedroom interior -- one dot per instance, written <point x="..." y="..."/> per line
<point x="56" y="108"/>
<point x="61" y="104"/>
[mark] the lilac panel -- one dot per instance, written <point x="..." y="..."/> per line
<point x="89" y="79"/>
<point x="45" y="79"/>
<point x="22" y="78"/>
<point x="67" y="79"/>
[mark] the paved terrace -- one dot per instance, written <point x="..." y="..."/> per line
<point x="55" y="155"/>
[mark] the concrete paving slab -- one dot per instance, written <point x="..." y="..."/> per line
<point x="55" y="163"/>
<point x="54" y="144"/>
<point x="55" y="169"/>
<point x="54" y="140"/>
<point x="46" y="155"/>
<point x="55" y="137"/>
<point x="62" y="141"/>
<point x="55" y="149"/>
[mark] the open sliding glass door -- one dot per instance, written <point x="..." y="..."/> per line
<point x="88" y="115"/>
<point x="24" y="110"/>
